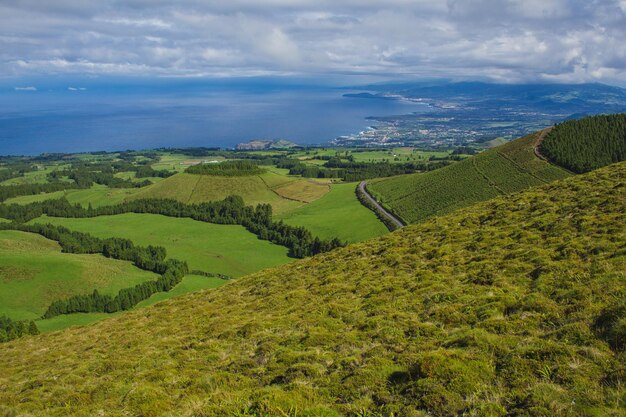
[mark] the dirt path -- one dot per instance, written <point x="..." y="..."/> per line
<point x="379" y="208"/>
<point x="540" y="139"/>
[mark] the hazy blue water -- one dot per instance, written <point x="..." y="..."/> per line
<point x="37" y="122"/>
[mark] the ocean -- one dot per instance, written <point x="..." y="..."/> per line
<point x="34" y="122"/>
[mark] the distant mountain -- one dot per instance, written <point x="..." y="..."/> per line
<point x="582" y="98"/>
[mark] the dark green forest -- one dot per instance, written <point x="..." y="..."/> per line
<point x="226" y="169"/>
<point x="587" y="144"/>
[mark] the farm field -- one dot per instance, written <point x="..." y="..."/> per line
<point x="190" y="283"/>
<point x="338" y="214"/>
<point x="503" y="170"/>
<point x="34" y="272"/>
<point x="305" y="191"/>
<point x="216" y="248"/>
<point x="177" y="162"/>
<point x="189" y="188"/>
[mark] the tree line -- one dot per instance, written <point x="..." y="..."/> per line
<point x="587" y="144"/>
<point x="231" y="210"/>
<point x="358" y="171"/>
<point x="150" y="258"/>
<point x="226" y="169"/>
<point x="10" y="329"/>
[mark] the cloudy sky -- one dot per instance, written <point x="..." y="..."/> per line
<point x="501" y="40"/>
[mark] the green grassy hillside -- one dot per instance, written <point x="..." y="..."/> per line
<point x="34" y="272"/>
<point x="511" y="307"/>
<point x="190" y="188"/>
<point x="216" y="248"/>
<point x="502" y="170"/>
<point x="338" y="214"/>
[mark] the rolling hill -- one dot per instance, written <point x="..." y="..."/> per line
<point x="255" y="189"/>
<point x="499" y="171"/>
<point x="34" y="272"/>
<point x="510" y="307"/>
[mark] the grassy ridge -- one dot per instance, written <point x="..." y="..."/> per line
<point x="503" y="170"/>
<point x="224" y="249"/>
<point x="338" y="214"/>
<point x="34" y="272"/>
<point x="498" y="309"/>
<point x="189" y="188"/>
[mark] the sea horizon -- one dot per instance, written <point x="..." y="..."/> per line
<point x="79" y="119"/>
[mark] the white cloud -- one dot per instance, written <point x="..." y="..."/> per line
<point x="30" y="88"/>
<point x="507" y="40"/>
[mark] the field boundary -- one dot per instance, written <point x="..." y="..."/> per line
<point x="282" y="196"/>
<point x="388" y="219"/>
<point x="486" y="178"/>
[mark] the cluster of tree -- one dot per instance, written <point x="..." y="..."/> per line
<point x="10" y="191"/>
<point x="150" y="258"/>
<point x="231" y="210"/>
<point x="86" y="174"/>
<point x="15" y="169"/>
<point x="587" y="144"/>
<point x="226" y="169"/>
<point x="10" y="329"/>
<point x="86" y="179"/>
<point x="358" y="171"/>
<point x="82" y="176"/>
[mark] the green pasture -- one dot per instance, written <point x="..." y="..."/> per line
<point x="224" y="249"/>
<point x="337" y="214"/>
<point x="34" y="273"/>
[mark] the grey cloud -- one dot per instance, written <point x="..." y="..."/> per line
<point x="504" y="40"/>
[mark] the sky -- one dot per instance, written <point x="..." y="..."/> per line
<point x="507" y="41"/>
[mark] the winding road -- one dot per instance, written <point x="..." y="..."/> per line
<point x="395" y="220"/>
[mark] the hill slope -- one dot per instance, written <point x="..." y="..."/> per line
<point x="255" y="189"/>
<point x="499" y="309"/>
<point x="34" y="272"/>
<point x="499" y="171"/>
